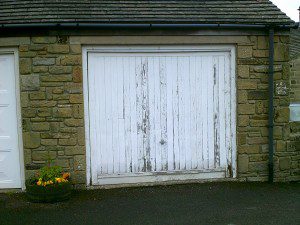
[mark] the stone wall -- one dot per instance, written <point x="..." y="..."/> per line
<point x="295" y="80"/>
<point x="294" y="144"/>
<point x="252" y="130"/>
<point x="52" y="105"/>
<point x="52" y="102"/>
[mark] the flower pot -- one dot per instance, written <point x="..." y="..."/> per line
<point x="48" y="194"/>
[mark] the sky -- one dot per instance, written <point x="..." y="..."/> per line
<point x="289" y="7"/>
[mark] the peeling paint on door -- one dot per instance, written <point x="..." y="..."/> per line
<point x="154" y="113"/>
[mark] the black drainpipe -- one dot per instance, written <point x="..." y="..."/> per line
<point x="271" y="104"/>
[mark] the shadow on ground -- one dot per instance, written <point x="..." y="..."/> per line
<point x="189" y="204"/>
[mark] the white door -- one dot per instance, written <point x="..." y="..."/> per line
<point x="159" y="114"/>
<point x="9" y="145"/>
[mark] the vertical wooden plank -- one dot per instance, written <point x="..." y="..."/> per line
<point x="163" y="111"/>
<point x="98" y="103"/>
<point x="152" y="93"/>
<point x="222" y="111"/>
<point x="210" y="108"/>
<point x="200" y="111"/>
<point x="145" y="115"/>
<point x="182" y="149"/>
<point x="216" y="113"/>
<point x="121" y="115"/>
<point x="93" y="133"/>
<point x="127" y="113"/>
<point x="133" y="115"/>
<point x="158" y="161"/>
<point x="195" y="96"/>
<point x="170" y="72"/>
<point x="187" y="112"/>
<point x="175" y="96"/>
<point x="114" y="80"/>
<point x="227" y="111"/>
<point x="204" y="110"/>
<point x="109" y="119"/>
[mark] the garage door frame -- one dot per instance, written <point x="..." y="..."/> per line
<point x="15" y="52"/>
<point x="158" y="48"/>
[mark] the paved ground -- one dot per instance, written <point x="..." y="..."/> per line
<point x="208" y="204"/>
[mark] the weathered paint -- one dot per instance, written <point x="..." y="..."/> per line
<point x="160" y="111"/>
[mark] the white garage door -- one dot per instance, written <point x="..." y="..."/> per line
<point x="158" y="114"/>
<point x="9" y="144"/>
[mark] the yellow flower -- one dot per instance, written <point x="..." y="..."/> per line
<point x="66" y="175"/>
<point x="58" y="179"/>
<point x="39" y="183"/>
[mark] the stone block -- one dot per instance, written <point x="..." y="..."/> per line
<point x="27" y="54"/>
<point x="55" y="78"/>
<point x="243" y="163"/>
<point x="258" y="166"/>
<point x="243" y="120"/>
<point x="249" y="149"/>
<point x="242" y="138"/>
<point x="242" y="96"/>
<point x="64" y="112"/>
<point x="49" y="142"/>
<point x="262" y="42"/>
<point x="28" y="112"/>
<point x="30" y="82"/>
<point x="71" y="60"/>
<point x="37" y="95"/>
<point x="60" y="69"/>
<point x="245" y="51"/>
<point x="246" y="84"/>
<point x="43" y="61"/>
<point x="257" y="95"/>
<point x="243" y="71"/>
<point x="76" y="98"/>
<point x="62" y="162"/>
<point x="67" y="142"/>
<point x="79" y="162"/>
<point x="58" y="49"/>
<point x="25" y="66"/>
<point x="44" y="112"/>
<point x="75" y="150"/>
<point x="75" y="49"/>
<point x="77" y="74"/>
<point x="281" y="146"/>
<point x="31" y="140"/>
<point x="81" y="136"/>
<point x="44" y="40"/>
<point x="284" y="163"/>
<point x="41" y="126"/>
<point x="261" y="107"/>
<point x="282" y="115"/>
<point x="257" y="140"/>
<point x="281" y="52"/>
<point x="43" y="155"/>
<point x="78" y="111"/>
<point x="261" y="53"/>
<point x="40" y="69"/>
<point x="23" y="48"/>
<point x="74" y="122"/>
<point x="246" y="109"/>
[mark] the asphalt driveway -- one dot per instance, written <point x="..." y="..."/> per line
<point x="189" y="204"/>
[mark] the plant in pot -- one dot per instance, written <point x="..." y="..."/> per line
<point x="50" y="184"/>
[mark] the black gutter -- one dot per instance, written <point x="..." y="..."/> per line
<point x="271" y="104"/>
<point x="141" y="25"/>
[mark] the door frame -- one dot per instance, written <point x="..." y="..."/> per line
<point x="15" y="52"/>
<point x="159" y="49"/>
